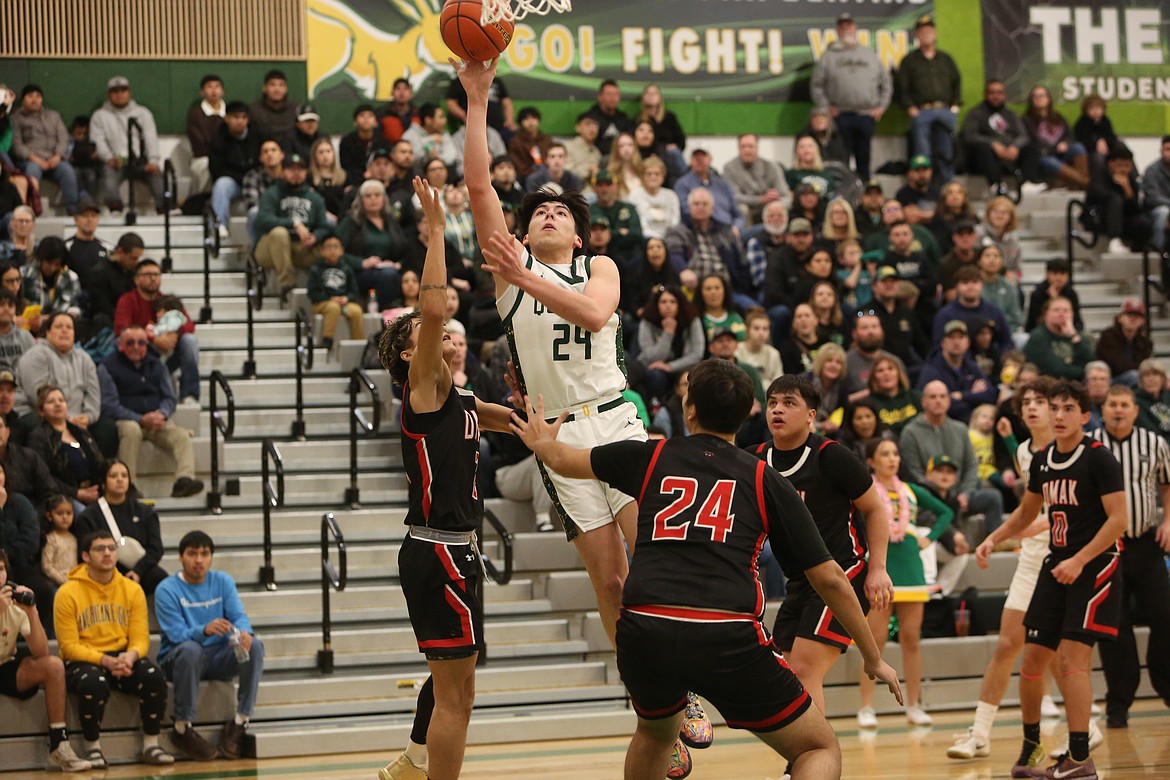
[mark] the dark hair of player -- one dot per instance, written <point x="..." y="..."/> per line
<point x="1073" y="391"/>
<point x="394" y="339"/>
<point x="721" y="394"/>
<point x="571" y="199"/>
<point x="1041" y="386"/>
<point x="792" y="384"/>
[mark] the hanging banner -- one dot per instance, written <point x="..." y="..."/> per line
<point x="1117" y="50"/>
<point x="693" y="49"/>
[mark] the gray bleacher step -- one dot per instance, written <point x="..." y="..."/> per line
<point x="570" y="590"/>
<point x="189" y="286"/>
<point x="301" y="606"/>
<point x="323" y="455"/>
<point x="517" y="516"/>
<point x="331" y="421"/>
<point x="279" y="361"/>
<point x="510" y="639"/>
<point x="265" y="335"/>
<point x="378" y="733"/>
<point x="242" y="529"/>
<point x="300" y="491"/>
<point x="535" y="551"/>
<point x="189" y="260"/>
<point x="235" y="309"/>
<point x="153" y="234"/>
<point x="263" y="392"/>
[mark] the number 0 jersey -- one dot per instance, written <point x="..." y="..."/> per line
<point x="1071" y="486"/>
<point x="705" y="508"/>
<point x="828" y="478"/>
<point x="567" y="364"/>
<point x="440" y="451"/>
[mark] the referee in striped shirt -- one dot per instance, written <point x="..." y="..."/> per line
<point x="1145" y="464"/>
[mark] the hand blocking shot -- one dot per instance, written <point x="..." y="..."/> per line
<point x="705" y="505"/>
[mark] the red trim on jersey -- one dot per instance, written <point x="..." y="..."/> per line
<point x="449" y="566"/>
<point x="779" y="717"/>
<point x="763" y="446"/>
<point x="662" y="713"/>
<point x="823" y="629"/>
<point x="858" y="548"/>
<point x="402" y="413"/>
<point x="855" y="569"/>
<point x="468" y="637"/>
<point x="825" y="443"/>
<point x="650" y="469"/>
<point x="1107" y="572"/>
<point x="424" y="467"/>
<point x="755" y="569"/>
<point x="691" y="614"/>
<point x="1091" y="623"/>
<point x="760" y="495"/>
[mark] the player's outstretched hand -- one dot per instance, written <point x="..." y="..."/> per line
<point x="536" y="433"/>
<point x="502" y="257"/>
<point x="983" y="553"/>
<point x="476" y="77"/>
<point x="883" y="672"/>
<point x="432" y="201"/>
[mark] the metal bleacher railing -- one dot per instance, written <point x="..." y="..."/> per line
<point x="1079" y="228"/>
<point x="170" y="187"/>
<point x="272" y="497"/>
<point x="332" y="578"/>
<point x="304" y="362"/>
<point x="359" y="379"/>
<point x="256" y="279"/>
<point x="210" y="250"/>
<point x="220" y="426"/>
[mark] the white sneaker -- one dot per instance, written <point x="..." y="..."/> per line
<point x="190" y="400"/>
<point x="402" y="769"/>
<point x="917" y="716"/>
<point x="66" y="760"/>
<point x="968" y="746"/>
<point x="224" y="234"/>
<point x="1117" y="247"/>
<point x="1095" y="740"/>
<point x="1048" y="708"/>
<point x="867" y="718"/>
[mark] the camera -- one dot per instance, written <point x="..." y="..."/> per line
<point x="25" y="597"/>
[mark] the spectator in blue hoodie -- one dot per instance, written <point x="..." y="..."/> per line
<point x="952" y="364"/>
<point x="203" y="627"/>
<point x="970" y="307"/>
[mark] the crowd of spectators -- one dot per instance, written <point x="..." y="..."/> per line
<point x="904" y="308"/>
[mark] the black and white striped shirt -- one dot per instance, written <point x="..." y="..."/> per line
<point x="1145" y="466"/>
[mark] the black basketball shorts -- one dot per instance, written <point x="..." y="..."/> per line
<point x="804" y="614"/>
<point x="1085" y="611"/>
<point x="729" y="660"/>
<point x="440" y="583"/>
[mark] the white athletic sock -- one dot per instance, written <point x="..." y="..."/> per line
<point x="60" y="725"/>
<point x="95" y="745"/>
<point x="149" y="741"/>
<point x="416" y="753"/>
<point x="181" y="726"/>
<point x="984" y="717"/>
<point x="241" y="720"/>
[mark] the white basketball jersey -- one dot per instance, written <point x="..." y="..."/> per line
<point x="567" y="364"/>
<point x="1038" y="544"/>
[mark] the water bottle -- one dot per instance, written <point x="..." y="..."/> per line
<point x="242" y="655"/>
<point x="372" y="303"/>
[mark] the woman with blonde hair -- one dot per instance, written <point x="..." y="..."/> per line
<point x="808" y="168"/>
<point x="840" y="224"/>
<point x="954" y="206"/>
<point x="667" y="130"/>
<point x="891" y="395"/>
<point x="327" y="176"/>
<point x="625" y="165"/>
<point x="372" y="235"/>
<point x="828" y="376"/>
<point x="999" y="225"/>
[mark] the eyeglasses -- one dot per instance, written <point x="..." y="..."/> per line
<point x="889" y="209"/>
<point x="136" y="342"/>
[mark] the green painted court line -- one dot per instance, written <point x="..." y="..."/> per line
<point x="724" y="739"/>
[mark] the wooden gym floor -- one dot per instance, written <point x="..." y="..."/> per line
<point x="894" y="751"/>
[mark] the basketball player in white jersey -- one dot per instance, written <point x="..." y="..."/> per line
<point x="558" y="307"/>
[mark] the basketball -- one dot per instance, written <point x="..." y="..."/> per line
<point x="466" y="37"/>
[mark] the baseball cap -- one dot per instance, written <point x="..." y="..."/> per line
<point x="873" y="184"/>
<point x="85" y="204"/>
<point x="295" y="160"/>
<point x="954" y="325"/>
<point x="800" y="225"/>
<point x="719" y="333"/>
<point x="603" y="177"/>
<point x="919" y="161"/>
<point x="6" y="376"/>
<point x="1134" y="306"/>
<point x="886" y="272"/>
<point x="599" y="219"/>
<point x="306" y="112"/>
<point x="926" y="20"/>
<point x="845" y="17"/>
<point x="118" y="82"/>
<point x="963" y="226"/>
<point x="939" y="461"/>
<point x="700" y="150"/>
<point x="378" y="153"/>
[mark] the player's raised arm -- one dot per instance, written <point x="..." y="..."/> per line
<point x="485" y="203"/>
<point x="430" y="377"/>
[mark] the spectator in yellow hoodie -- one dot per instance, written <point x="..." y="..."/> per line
<point x="103" y="636"/>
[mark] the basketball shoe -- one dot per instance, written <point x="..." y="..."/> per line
<point x="1067" y="769"/>
<point x="402" y="769"/>
<point x="696" y="728"/>
<point x="680" y="762"/>
<point x="1095" y="740"/>
<point x="1028" y="765"/>
<point x="969" y="746"/>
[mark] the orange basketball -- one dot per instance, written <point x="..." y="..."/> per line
<point x="466" y="37"/>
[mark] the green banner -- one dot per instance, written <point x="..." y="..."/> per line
<point x="729" y="50"/>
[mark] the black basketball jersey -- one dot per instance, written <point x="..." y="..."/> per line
<point x="828" y="478"/>
<point x="440" y="451"/>
<point x="1072" y="486"/>
<point x="705" y="508"/>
